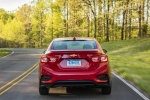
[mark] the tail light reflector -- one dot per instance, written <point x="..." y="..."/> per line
<point x="45" y="78"/>
<point x="102" y="77"/>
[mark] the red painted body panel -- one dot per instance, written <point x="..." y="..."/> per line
<point x="76" y="75"/>
<point x="94" y="62"/>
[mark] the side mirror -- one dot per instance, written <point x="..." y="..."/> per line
<point x="44" y="51"/>
<point x="104" y="50"/>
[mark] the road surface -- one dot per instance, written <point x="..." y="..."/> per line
<point x="19" y="81"/>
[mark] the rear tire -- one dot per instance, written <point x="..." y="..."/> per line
<point x="43" y="91"/>
<point x="106" y="90"/>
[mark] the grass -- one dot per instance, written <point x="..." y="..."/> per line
<point x="131" y="59"/>
<point x="4" y="52"/>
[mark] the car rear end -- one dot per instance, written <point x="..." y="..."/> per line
<point x="74" y="62"/>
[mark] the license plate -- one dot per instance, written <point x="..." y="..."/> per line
<point x="73" y="62"/>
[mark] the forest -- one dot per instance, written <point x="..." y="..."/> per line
<point x="35" y="25"/>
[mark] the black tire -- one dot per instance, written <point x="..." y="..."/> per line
<point x="43" y="91"/>
<point x="106" y="90"/>
<point x="69" y="89"/>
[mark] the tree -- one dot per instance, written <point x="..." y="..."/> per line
<point x="92" y="6"/>
<point x="140" y="18"/>
<point x="24" y="15"/>
<point x="14" y="31"/>
<point x="107" y="21"/>
<point x="3" y="16"/>
<point x="38" y="23"/>
<point x="104" y="20"/>
<point x="54" y="22"/>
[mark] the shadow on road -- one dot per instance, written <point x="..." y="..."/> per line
<point x="75" y="93"/>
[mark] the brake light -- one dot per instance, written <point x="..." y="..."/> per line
<point x="101" y="58"/>
<point x="44" y="59"/>
<point x="52" y="59"/>
<point x="104" y="59"/>
<point x="95" y="59"/>
<point x="74" y="38"/>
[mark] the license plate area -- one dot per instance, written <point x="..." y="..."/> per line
<point x="73" y="62"/>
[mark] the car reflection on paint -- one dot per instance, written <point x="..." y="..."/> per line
<point x="74" y="62"/>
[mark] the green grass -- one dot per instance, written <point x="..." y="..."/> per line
<point x="131" y="59"/>
<point x="4" y="52"/>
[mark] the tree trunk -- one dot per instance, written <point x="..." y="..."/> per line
<point x="126" y="20"/>
<point x="99" y="26"/>
<point x="95" y="19"/>
<point x="52" y="25"/>
<point x="67" y="20"/>
<point x="143" y="19"/>
<point x="104" y="28"/>
<point x="95" y="26"/>
<point x="113" y="22"/>
<point x="66" y="17"/>
<point x="130" y="22"/>
<point x="122" y="29"/>
<point x="107" y="21"/>
<point x="88" y="30"/>
<point x="147" y="13"/>
<point x="140" y="20"/>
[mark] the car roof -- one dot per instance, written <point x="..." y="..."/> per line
<point x="72" y="38"/>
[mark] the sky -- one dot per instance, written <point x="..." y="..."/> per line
<point x="11" y="5"/>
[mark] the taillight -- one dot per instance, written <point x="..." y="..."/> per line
<point x="52" y="59"/>
<point x="104" y="58"/>
<point x="44" y="59"/>
<point x="95" y="59"/>
<point x="101" y="58"/>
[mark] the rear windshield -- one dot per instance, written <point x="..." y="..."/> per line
<point x="74" y="45"/>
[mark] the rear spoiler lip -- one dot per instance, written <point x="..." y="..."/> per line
<point x="76" y="51"/>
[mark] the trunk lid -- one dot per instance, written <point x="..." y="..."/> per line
<point x="73" y="60"/>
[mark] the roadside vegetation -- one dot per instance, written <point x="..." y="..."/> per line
<point x="118" y="21"/>
<point x="4" y="52"/>
<point x="35" y="25"/>
<point x="131" y="60"/>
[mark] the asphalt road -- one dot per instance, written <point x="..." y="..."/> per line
<point x="21" y="60"/>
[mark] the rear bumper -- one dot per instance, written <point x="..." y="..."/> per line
<point x="97" y="78"/>
<point x="75" y="83"/>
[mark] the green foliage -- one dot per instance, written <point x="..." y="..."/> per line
<point x="4" y="52"/>
<point x="37" y="24"/>
<point x="3" y="15"/>
<point x="130" y="58"/>
<point x="14" y="31"/>
<point x="1" y="26"/>
<point x="44" y="20"/>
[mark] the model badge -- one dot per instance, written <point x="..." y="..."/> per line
<point x="73" y="55"/>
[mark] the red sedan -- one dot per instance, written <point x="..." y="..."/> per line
<point x="74" y="62"/>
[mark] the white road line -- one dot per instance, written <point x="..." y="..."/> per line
<point x="132" y="87"/>
<point x="7" y="55"/>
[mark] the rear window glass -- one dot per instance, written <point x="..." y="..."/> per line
<point x="74" y="45"/>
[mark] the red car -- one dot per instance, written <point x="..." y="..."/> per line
<point x="74" y="62"/>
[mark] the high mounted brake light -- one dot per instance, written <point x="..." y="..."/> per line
<point x="74" y="38"/>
